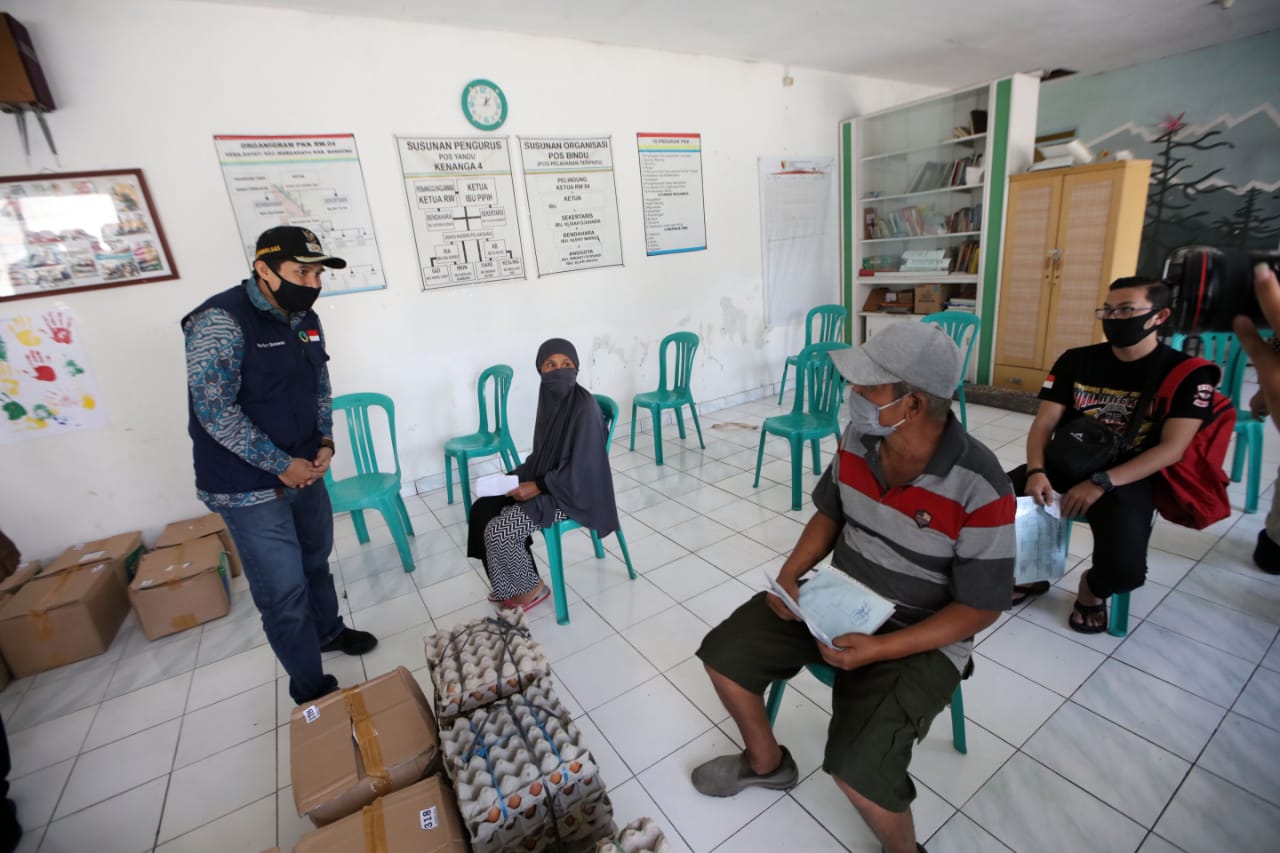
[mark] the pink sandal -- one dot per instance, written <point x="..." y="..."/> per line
<point x="532" y="603"/>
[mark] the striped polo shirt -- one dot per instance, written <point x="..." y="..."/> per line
<point x="946" y="536"/>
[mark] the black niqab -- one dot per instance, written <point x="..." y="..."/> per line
<point x="569" y="456"/>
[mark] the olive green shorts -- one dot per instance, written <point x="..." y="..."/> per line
<point x="878" y="711"/>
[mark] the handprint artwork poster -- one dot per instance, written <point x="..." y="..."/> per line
<point x="46" y="387"/>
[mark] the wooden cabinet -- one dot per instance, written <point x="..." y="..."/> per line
<point x="1070" y="233"/>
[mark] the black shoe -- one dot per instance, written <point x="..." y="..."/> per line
<point x="1267" y="554"/>
<point x="330" y="685"/>
<point x="351" y="642"/>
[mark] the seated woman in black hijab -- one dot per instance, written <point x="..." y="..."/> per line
<point x="566" y="476"/>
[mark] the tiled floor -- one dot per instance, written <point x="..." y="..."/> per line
<point x="1166" y="740"/>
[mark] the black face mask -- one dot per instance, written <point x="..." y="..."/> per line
<point x="1126" y="333"/>
<point x="560" y="382"/>
<point x="294" y="297"/>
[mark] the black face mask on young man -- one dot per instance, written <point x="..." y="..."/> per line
<point x="294" y="297"/>
<point x="1126" y="333"/>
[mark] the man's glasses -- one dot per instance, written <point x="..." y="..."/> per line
<point x="1124" y="312"/>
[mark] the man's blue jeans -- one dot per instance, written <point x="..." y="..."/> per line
<point x="284" y="545"/>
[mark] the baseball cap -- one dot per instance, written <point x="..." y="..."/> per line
<point x="919" y="354"/>
<point x="291" y="243"/>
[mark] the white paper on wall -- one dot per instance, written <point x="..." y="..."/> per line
<point x="46" y="386"/>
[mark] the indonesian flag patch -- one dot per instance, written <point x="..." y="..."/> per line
<point x="1048" y="383"/>
<point x="313" y="335"/>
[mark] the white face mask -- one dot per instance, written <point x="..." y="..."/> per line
<point x="865" y="415"/>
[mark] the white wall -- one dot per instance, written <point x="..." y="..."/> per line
<point x="144" y="83"/>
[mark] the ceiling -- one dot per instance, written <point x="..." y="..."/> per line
<point x="935" y="42"/>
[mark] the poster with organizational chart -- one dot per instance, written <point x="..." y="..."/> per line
<point x="311" y="181"/>
<point x="573" y="206"/>
<point x="463" y="205"/>
<point x="671" y="192"/>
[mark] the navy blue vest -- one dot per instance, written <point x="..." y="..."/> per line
<point x="279" y="378"/>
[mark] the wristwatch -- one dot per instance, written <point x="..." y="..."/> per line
<point x="1100" y="478"/>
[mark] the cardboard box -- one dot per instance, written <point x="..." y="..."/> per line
<point x="122" y="550"/>
<point x="361" y="743"/>
<point x="422" y="818"/>
<point x="931" y="298"/>
<point x="16" y="581"/>
<point x="181" y="587"/>
<point x="61" y="618"/>
<point x="889" y="301"/>
<point x="197" y="528"/>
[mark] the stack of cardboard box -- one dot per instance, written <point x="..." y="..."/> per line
<point x="358" y="744"/>
<point x="524" y="777"/>
<point x="359" y="757"/>
<point x="72" y="608"/>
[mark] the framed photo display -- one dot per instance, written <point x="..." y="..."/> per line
<point x="64" y="232"/>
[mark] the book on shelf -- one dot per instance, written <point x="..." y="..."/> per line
<point x="940" y="175"/>
<point x="966" y="257"/>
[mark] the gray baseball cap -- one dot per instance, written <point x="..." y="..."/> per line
<point x="919" y="354"/>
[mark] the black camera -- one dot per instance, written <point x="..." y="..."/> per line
<point x="1212" y="286"/>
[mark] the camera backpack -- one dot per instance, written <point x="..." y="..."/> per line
<point x="1192" y="492"/>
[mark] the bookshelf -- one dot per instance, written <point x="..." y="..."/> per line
<point x="924" y="186"/>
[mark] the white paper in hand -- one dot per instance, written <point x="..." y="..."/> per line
<point x="496" y="484"/>
<point x="837" y="604"/>
<point x="796" y="611"/>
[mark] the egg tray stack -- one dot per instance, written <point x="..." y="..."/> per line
<point x="524" y="778"/>
<point x="482" y="661"/>
<point x="639" y="836"/>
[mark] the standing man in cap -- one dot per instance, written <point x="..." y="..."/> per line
<point x="922" y="514"/>
<point x="260" y="416"/>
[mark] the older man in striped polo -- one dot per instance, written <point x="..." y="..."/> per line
<point x="922" y="514"/>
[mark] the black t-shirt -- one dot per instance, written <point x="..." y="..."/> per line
<point x="1092" y="381"/>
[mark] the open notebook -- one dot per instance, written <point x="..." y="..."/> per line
<point x="832" y="603"/>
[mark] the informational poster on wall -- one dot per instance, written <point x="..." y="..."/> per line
<point x="46" y="387"/>
<point x="314" y="182"/>
<point x="797" y="236"/>
<point x="671" y="190"/>
<point x="463" y="205"/>
<point x="573" y="206"/>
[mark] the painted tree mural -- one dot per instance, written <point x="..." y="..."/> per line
<point x="1176" y="213"/>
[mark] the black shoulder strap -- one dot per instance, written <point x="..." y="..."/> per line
<point x="1148" y="394"/>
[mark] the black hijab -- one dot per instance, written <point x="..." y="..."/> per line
<point x="569" y="461"/>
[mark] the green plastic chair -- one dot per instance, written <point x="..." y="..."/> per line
<point x="1118" y="615"/>
<point x="679" y="395"/>
<point x="831" y="320"/>
<point x="827" y="675"/>
<point x="485" y="442"/>
<point x="958" y="325"/>
<point x="553" y="534"/>
<point x="814" y="412"/>
<point x="1224" y="350"/>
<point x="371" y="488"/>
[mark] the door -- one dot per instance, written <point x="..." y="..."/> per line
<point x="1028" y="269"/>
<point x="1084" y="242"/>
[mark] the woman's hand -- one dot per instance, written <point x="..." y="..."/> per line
<point x="524" y="491"/>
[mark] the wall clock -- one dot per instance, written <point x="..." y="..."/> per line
<point x="484" y="104"/>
